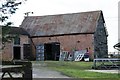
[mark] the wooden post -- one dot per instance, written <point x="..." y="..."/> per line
<point x="94" y="64"/>
<point x="27" y="68"/>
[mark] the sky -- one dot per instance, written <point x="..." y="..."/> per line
<point x="53" y="7"/>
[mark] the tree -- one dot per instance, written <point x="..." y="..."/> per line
<point x="7" y="8"/>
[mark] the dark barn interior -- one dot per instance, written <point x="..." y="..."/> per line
<point x="16" y="52"/>
<point x="52" y="51"/>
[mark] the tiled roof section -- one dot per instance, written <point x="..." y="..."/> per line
<point x="18" y="30"/>
<point x="84" y="22"/>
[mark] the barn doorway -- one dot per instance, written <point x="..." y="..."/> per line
<point x="52" y="51"/>
<point x="27" y="51"/>
<point x="16" y="52"/>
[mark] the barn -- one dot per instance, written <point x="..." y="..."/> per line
<point x="68" y="32"/>
<point x="19" y="48"/>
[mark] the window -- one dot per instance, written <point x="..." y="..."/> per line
<point x="16" y="41"/>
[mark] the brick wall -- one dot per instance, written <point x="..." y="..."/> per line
<point x="7" y="52"/>
<point x="24" y="39"/>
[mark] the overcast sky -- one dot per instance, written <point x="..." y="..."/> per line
<point x="50" y="7"/>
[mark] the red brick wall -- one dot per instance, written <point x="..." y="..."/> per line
<point x="24" y="39"/>
<point x="7" y="52"/>
<point x="70" y="42"/>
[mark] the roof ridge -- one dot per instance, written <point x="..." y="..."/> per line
<point x="65" y="14"/>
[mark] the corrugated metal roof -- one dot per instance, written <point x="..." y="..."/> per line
<point x="84" y="22"/>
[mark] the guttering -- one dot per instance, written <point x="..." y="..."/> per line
<point x="61" y="35"/>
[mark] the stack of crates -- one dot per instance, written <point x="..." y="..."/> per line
<point x="40" y="52"/>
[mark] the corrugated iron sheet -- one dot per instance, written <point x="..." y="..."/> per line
<point x="84" y="22"/>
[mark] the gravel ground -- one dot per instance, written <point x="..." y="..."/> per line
<point x="41" y="71"/>
<point x="44" y="72"/>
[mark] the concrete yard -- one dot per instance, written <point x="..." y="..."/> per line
<point x="44" y="72"/>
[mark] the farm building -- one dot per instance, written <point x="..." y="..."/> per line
<point x="19" y="48"/>
<point x="52" y="34"/>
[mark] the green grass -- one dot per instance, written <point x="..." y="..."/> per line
<point x="78" y="70"/>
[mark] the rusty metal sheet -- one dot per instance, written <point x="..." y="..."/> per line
<point x="84" y="22"/>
